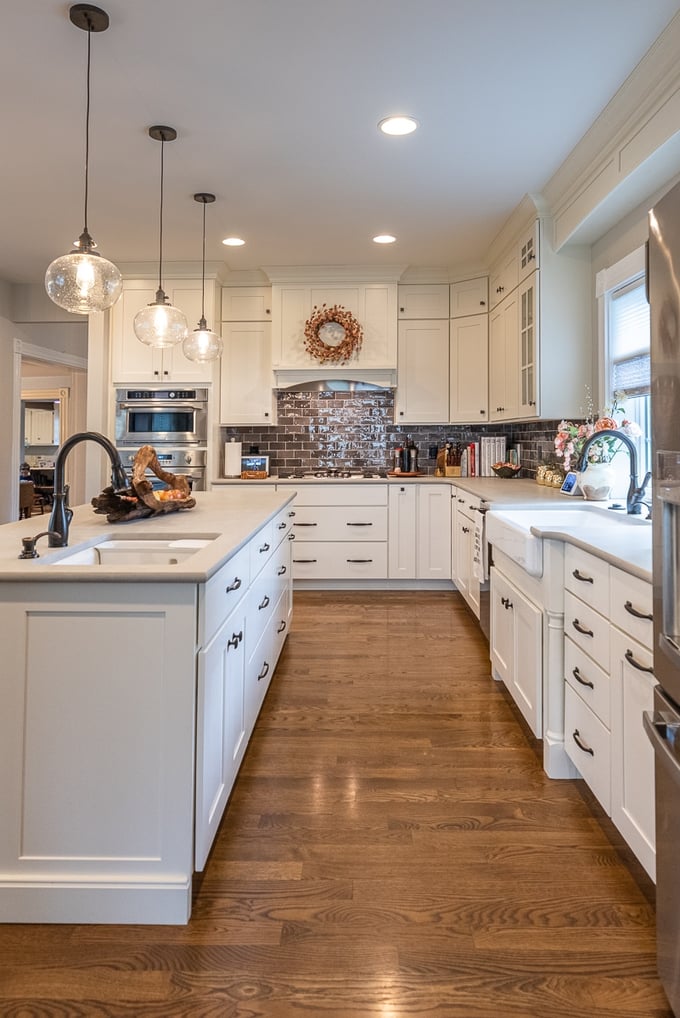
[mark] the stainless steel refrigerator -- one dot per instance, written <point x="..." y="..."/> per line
<point x="663" y="726"/>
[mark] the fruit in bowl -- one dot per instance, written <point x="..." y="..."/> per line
<point x="506" y="469"/>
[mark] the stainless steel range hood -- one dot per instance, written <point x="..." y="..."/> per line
<point x="346" y="380"/>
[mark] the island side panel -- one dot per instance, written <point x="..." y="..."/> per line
<point x="97" y="720"/>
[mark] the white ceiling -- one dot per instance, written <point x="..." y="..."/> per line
<point x="276" y="104"/>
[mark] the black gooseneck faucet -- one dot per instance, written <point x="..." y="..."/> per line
<point x="636" y="491"/>
<point x="61" y="514"/>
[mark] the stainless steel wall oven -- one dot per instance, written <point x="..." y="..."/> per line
<point x="161" y="416"/>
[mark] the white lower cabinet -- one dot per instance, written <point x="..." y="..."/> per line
<point x="419" y="531"/>
<point x="516" y="647"/>
<point x="236" y="664"/>
<point x="220" y="727"/>
<point x="609" y="684"/>
<point x="340" y="531"/>
<point x="467" y="547"/>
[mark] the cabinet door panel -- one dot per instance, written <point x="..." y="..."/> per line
<point x="632" y="804"/>
<point x="434" y="532"/>
<point x="528" y="347"/>
<point x="469" y="369"/>
<point x="423" y="374"/>
<point x="469" y="297"/>
<point x="220" y="728"/>
<point x="419" y="300"/>
<point x="527" y="684"/>
<point x="246" y="303"/>
<point x="402" y="532"/>
<point x="502" y="629"/>
<point x="246" y="394"/>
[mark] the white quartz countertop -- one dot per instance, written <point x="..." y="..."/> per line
<point x="231" y="517"/>
<point x="513" y="491"/>
<point x="627" y="545"/>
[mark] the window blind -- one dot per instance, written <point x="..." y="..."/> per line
<point x="629" y="339"/>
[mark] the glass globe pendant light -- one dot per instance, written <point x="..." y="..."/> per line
<point x="202" y="344"/>
<point x="82" y="281"/>
<point x="160" y="324"/>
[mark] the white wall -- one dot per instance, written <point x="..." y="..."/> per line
<point x="10" y="382"/>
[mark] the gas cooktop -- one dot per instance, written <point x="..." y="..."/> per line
<point x="333" y="474"/>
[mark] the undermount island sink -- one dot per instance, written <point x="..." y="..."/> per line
<point x="153" y="551"/>
<point x="519" y="532"/>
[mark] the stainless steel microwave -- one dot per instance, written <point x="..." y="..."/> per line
<point x="160" y="416"/>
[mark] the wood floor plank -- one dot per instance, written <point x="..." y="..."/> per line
<point x="392" y="849"/>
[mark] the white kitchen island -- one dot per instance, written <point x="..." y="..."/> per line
<point x="127" y="696"/>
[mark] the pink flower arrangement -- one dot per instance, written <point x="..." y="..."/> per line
<point x="571" y="438"/>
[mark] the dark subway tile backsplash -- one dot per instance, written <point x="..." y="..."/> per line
<point x="358" y="430"/>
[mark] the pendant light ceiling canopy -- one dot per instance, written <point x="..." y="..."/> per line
<point x="160" y="324"/>
<point x="202" y="344"/>
<point x="82" y="281"/>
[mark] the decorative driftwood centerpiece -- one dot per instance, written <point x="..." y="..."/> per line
<point x="140" y="499"/>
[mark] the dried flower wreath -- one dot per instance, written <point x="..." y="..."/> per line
<point x="349" y="345"/>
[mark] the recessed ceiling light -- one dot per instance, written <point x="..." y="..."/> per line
<point x="233" y="242"/>
<point x="384" y="238"/>
<point x="398" y="125"/>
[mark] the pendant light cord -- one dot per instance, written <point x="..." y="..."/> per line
<point x="87" y="124"/>
<point x="203" y="271"/>
<point x="160" y="226"/>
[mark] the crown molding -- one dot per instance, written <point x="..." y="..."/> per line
<point x="333" y="274"/>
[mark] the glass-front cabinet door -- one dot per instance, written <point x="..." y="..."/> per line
<point x="528" y="346"/>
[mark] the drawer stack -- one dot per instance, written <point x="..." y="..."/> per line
<point x="340" y="531"/>
<point x="609" y="684"/>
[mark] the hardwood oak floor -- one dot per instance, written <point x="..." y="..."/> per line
<point x="392" y="849"/>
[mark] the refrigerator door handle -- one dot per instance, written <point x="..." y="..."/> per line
<point x="658" y="730"/>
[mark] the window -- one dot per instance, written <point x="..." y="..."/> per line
<point x="624" y="345"/>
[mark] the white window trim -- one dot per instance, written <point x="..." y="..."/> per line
<point x="620" y="272"/>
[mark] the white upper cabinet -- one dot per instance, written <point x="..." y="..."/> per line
<point x="373" y="305"/>
<point x="133" y="362"/>
<point x="419" y="300"/>
<point x="504" y="277"/>
<point x="246" y="303"/>
<point x="423" y="380"/>
<point x="504" y="361"/>
<point x="246" y="391"/>
<point x="469" y="369"/>
<point x="527" y="251"/>
<point x="469" y="297"/>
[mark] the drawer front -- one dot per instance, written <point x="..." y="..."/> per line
<point x="265" y="593"/>
<point x="631" y="606"/>
<point x="338" y="493"/>
<point x="587" y="576"/>
<point x="340" y="523"/>
<point x="280" y="623"/>
<point x="588" y="680"/>
<point x="259" y="671"/>
<point x="339" y="560"/>
<point x="588" y="629"/>
<point x="220" y="595"/>
<point x="261" y="548"/>
<point x="282" y="523"/>
<point x="587" y="743"/>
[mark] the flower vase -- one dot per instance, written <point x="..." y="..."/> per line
<point x="596" y="481"/>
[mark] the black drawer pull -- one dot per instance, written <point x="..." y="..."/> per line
<point x="359" y="524"/>
<point x="305" y="524"/>
<point x="581" y="744"/>
<point x="581" y="629"/>
<point x="281" y="571"/>
<point x="359" y="560"/>
<point x="636" y="614"/>
<point x="304" y="560"/>
<point x="235" y="640"/>
<point x="281" y="526"/>
<point x="264" y="547"/>
<point x="291" y="537"/>
<point x="506" y="602"/>
<point x="579" y="678"/>
<point x="578" y="575"/>
<point x="292" y="512"/>
<point x="630" y="658"/>
<point x="233" y="586"/>
<point x="264" y="602"/>
<point x="265" y="669"/>
<point x="282" y="626"/>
